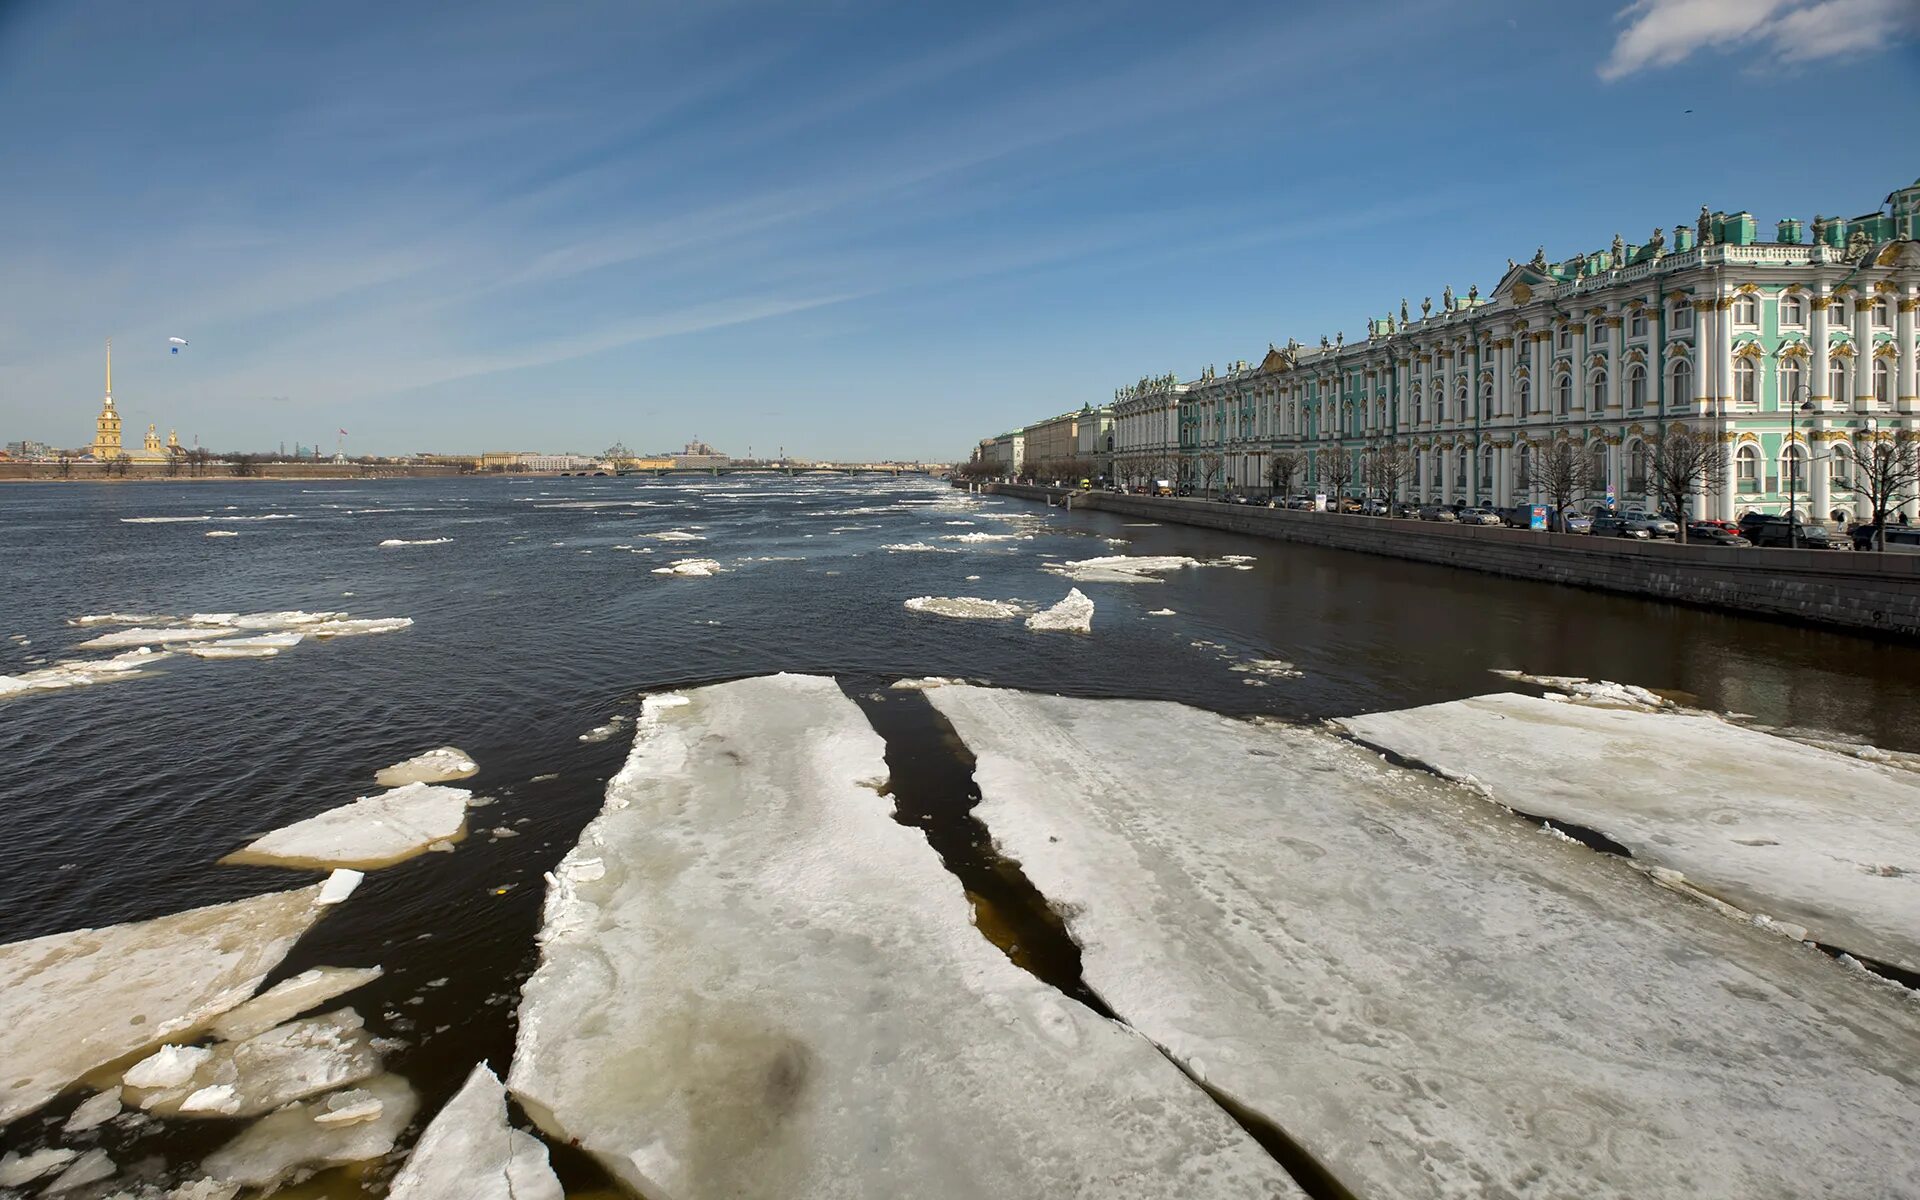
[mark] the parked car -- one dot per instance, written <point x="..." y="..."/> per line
<point x="1656" y="526"/>
<point x="1301" y="503"/>
<point x="1714" y="533"/>
<point x="1487" y="515"/>
<point x="1438" y="512"/>
<point x="1900" y="539"/>
<point x="1767" y="529"/>
<point x="1729" y="526"/>
<point x="1614" y="525"/>
<point x="1577" y="523"/>
<point x="1408" y="510"/>
<point x="1375" y="508"/>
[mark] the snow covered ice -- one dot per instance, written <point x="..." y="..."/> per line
<point x="120" y="639"/>
<point x="1431" y="996"/>
<point x="469" y="1152"/>
<point x="1073" y="614"/>
<point x="1122" y="568"/>
<point x="434" y="766"/>
<point x="277" y="1145"/>
<point x="289" y="998"/>
<point x="71" y="1003"/>
<point x="17" y="1168"/>
<point x="966" y="608"/>
<point x="261" y="645"/>
<point x="373" y="831"/>
<point x="1771" y="826"/>
<point x="753" y="982"/>
<point x="286" y="1063"/>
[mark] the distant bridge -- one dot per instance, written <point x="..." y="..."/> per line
<point x="784" y="472"/>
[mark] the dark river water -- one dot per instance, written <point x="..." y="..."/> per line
<point x="539" y="620"/>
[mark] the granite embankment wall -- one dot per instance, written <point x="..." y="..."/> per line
<point x="1879" y="592"/>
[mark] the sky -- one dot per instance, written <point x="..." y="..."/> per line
<point x="850" y="230"/>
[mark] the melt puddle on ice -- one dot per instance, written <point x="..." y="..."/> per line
<point x="1336" y="942"/>
<point x="845" y="1030"/>
<point x="373" y="831"/>
<point x="969" y="608"/>
<point x="434" y="766"/>
<point x="71" y="1003"/>
<point x="439" y="541"/>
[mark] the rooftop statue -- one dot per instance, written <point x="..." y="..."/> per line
<point x="1446" y="298"/>
<point x="1619" y="252"/>
<point x="1325" y="342"/>
<point x="1473" y="293"/>
<point x="1403" y="310"/>
<point x="1703" y="227"/>
<point x="1426" y="308"/>
<point x="1658" y="242"/>
<point x="1539" y="262"/>
<point x="1859" y="245"/>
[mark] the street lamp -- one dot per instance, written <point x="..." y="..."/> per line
<point x="1793" y="474"/>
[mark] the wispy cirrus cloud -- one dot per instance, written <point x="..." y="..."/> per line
<point x="1663" y="33"/>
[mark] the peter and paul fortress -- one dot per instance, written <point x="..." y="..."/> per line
<point x="106" y="442"/>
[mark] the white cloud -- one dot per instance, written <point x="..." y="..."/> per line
<point x="1661" y="33"/>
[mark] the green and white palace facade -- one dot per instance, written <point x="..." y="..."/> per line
<point x="1788" y="351"/>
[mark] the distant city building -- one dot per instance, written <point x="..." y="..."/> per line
<point x="699" y="454"/>
<point x="556" y="462"/>
<point x="29" y="449"/>
<point x="1004" y="455"/>
<point x="1094" y="444"/>
<point x="1053" y="445"/>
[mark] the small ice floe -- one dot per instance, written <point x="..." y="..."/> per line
<point x="434" y="766"/>
<point x="17" y="1168"/>
<point x="970" y="608"/>
<point x="349" y="1106"/>
<point x="71" y="1003"/>
<point x="288" y="999"/>
<point x="469" y="1152"/>
<point x="690" y="568"/>
<point x="440" y="541"/>
<point x="986" y="537"/>
<point x="373" y="831"/>
<point x="1073" y="614"/>
<point x="1122" y="568"/>
<point x="167" y="1067"/>
<point x="1236" y="558"/>
<point x="222" y="533"/>
<point x="286" y="1063"/>
<point x="600" y="733"/>
<point x="338" y="886"/>
<point x="162" y="520"/>
<point x="1581" y="690"/>
<point x="259" y="645"/>
<point x="1161" y="612"/>
<point x="93" y="1112"/>
<point x="916" y="548"/>
<point x="357" y="627"/>
<point x="924" y="683"/>
<point x="91" y="1167"/>
<point x="294" y="1138"/>
<point x="80" y="672"/>
<point x="677" y="535"/>
<point x="1269" y="668"/>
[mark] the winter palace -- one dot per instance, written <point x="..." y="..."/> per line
<point x="1789" y="351"/>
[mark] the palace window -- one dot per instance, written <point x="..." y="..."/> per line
<point x="1417" y="417"/>
<point x="1523" y="396"/>
<point x="1746" y="383"/>
<point x="1597" y="467"/>
<point x="1636" y="386"/>
<point x="1486" y="400"/>
<point x="1597" y="392"/>
<point x="1837" y="379"/>
<point x="1746" y="469"/>
<point x="1837" y="311"/>
<point x="1793" y="468"/>
<point x="1680" y="394"/>
<point x="1637" y="323"/>
<point x="1460" y="399"/>
<point x="1790" y="382"/>
<point x="1793" y="309"/>
<point x="1565" y="337"/>
<point x="1882" y="382"/>
<point x="1882" y="314"/>
<point x="1563" y="394"/>
<point x="1637" y="467"/>
<point x="1746" y="311"/>
<point x="1596" y="332"/>
<point x="1842" y="466"/>
<point x="1460" y="469"/>
<point x="1682" y="316"/>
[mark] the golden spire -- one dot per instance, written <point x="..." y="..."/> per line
<point x="109" y="370"/>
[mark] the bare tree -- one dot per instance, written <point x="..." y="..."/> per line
<point x="65" y="469"/>
<point x="1336" y="473"/>
<point x="1887" y="475"/>
<point x="198" y="460"/>
<point x="1562" y="471"/>
<point x="1209" y="467"/>
<point x="172" y="467"/>
<point x="1386" y="467"/>
<point x="244" y="466"/>
<point x="1283" y="467"/>
<point x="1681" y="467"/>
<point x="618" y="456"/>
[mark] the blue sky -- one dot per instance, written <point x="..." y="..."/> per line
<point x="849" y="229"/>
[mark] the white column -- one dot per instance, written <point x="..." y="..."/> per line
<point x="1819" y="489"/>
<point x="1862" y="349"/>
<point x="1616" y="360"/>
<point x="1907" y="394"/>
<point x="1543" y="368"/>
<point x="1722" y="395"/>
<point x="1503" y="475"/>
<point x="1446" y="473"/>
<point x="1820" y="368"/>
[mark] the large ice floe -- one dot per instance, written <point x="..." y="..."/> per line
<point x="1817" y="840"/>
<point x="373" y="831"/>
<point x="965" y="608"/>
<point x="433" y="766"/>
<point x="469" y="1152"/>
<point x="71" y="1003"/>
<point x="1073" y="614"/>
<point x="1427" y="993"/>
<point x="78" y="672"/>
<point x="1122" y="568"/>
<point x="753" y="982"/>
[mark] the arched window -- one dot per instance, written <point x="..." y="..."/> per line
<point x="1791" y="380"/>
<point x="1746" y="468"/>
<point x="1637" y="467"/>
<point x="1597" y="392"/>
<point x="1523" y="468"/>
<point x="1882" y="381"/>
<point x="1460" y="469"/>
<point x="1417" y="407"/>
<point x="1793" y="467"/>
<point x="1523" y="395"/>
<point x="1882" y="314"/>
<point x="1838" y="378"/>
<point x="1597" y="467"/>
<point x="1746" y="311"/>
<point x="1837" y="311"/>
<point x="1563" y="394"/>
<point x="1486" y="399"/>
<point x="1486" y="467"/>
<point x="1636" y="386"/>
<point x="1682" y="315"/>
<point x="1460" y="401"/>
<point x="1842" y="467"/>
<point x="1681" y="393"/>
<point x="1793" y="309"/>
<point x="1746" y="382"/>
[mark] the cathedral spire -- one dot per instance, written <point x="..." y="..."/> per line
<point x="109" y="371"/>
